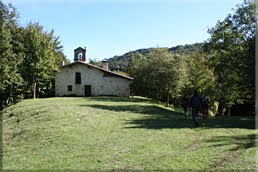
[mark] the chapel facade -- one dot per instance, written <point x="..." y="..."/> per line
<point x="82" y="79"/>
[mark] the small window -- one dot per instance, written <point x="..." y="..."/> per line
<point x="77" y="78"/>
<point x="70" y="88"/>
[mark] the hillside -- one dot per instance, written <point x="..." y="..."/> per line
<point x="111" y="133"/>
<point x="121" y="63"/>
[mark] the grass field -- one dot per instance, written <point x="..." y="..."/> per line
<point x="110" y="133"/>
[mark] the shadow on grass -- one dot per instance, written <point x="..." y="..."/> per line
<point x="160" y="122"/>
<point x="140" y="109"/>
<point x="117" y="99"/>
<point x="241" y="142"/>
<point x="155" y="117"/>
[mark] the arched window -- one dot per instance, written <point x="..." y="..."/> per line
<point x="80" y="56"/>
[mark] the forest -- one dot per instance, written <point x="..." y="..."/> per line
<point x="29" y="56"/>
<point x="222" y="67"/>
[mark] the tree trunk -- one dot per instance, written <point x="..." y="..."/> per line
<point x="7" y="101"/>
<point x="8" y="98"/>
<point x="228" y="111"/>
<point x="34" y="89"/>
<point x="167" y="98"/>
<point x="37" y="88"/>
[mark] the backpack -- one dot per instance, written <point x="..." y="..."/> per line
<point x="195" y="102"/>
<point x="204" y="100"/>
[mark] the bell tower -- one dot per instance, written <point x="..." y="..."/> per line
<point x="80" y="54"/>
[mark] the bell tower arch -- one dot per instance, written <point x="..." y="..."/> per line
<point x="80" y="54"/>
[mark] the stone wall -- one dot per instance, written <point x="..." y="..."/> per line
<point x="100" y="84"/>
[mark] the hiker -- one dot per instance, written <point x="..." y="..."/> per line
<point x="205" y="106"/>
<point x="185" y="103"/>
<point x="196" y="105"/>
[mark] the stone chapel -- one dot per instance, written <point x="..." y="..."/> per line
<point x="82" y="79"/>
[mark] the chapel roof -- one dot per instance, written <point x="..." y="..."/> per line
<point x="80" y="48"/>
<point x="99" y="68"/>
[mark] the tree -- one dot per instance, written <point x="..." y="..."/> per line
<point x="136" y="70"/>
<point x="58" y="50"/>
<point x="39" y="63"/>
<point x="10" y="79"/>
<point x="29" y="58"/>
<point x="199" y="76"/>
<point x="158" y="74"/>
<point x="231" y="52"/>
<point x="95" y="62"/>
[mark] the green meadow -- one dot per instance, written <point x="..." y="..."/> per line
<point x="112" y="133"/>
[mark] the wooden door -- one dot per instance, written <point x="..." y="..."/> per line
<point x="87" y="90"/>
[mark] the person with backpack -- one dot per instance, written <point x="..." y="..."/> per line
<point x="196" y="105"/>
<point x="205" y="106"/>
<point x="185" y="103"/>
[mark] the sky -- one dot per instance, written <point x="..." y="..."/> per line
<point x="114" y="27"/>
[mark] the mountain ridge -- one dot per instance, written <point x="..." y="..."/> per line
<point x="121" y="62"/>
